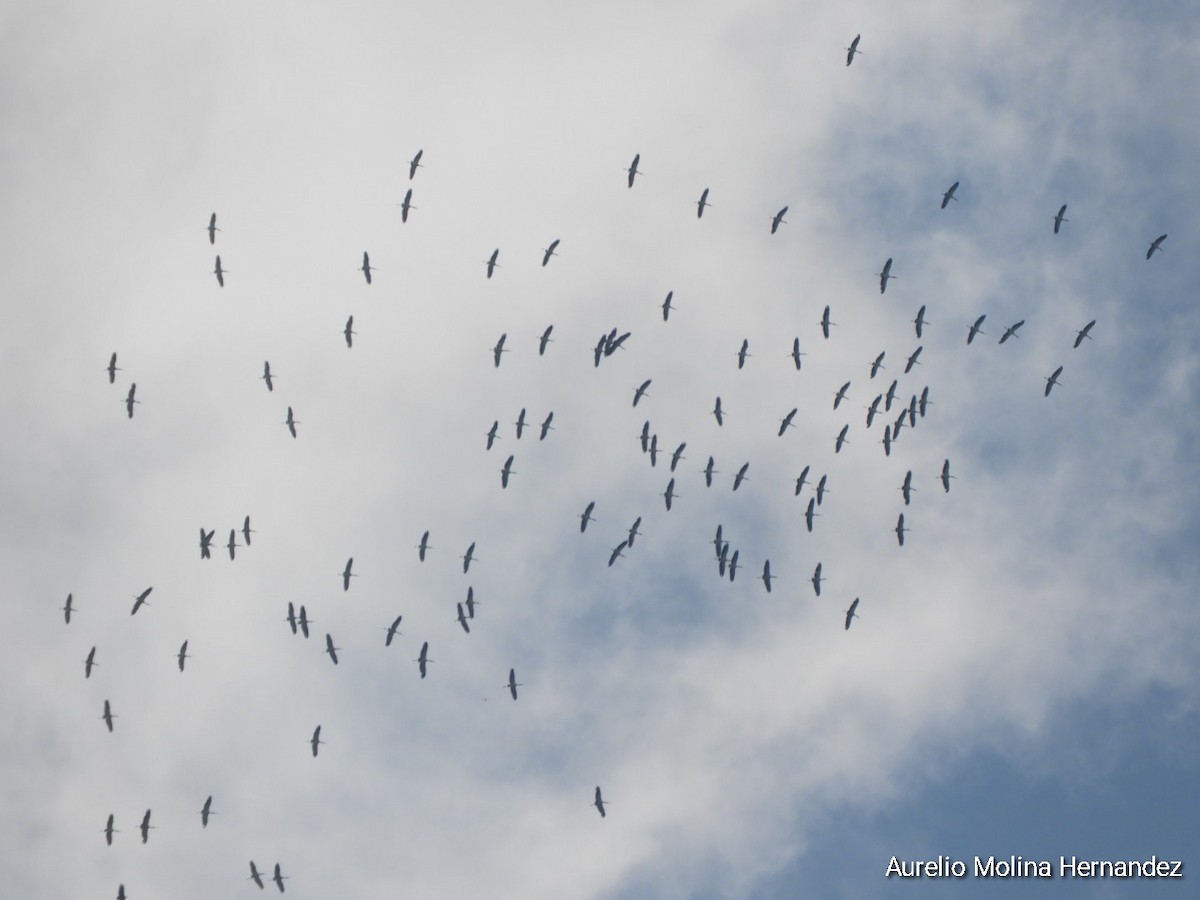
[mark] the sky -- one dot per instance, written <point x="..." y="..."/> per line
<point x="1021" y="677"/>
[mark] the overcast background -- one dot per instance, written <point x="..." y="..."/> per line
<point x="1023" y="675"/>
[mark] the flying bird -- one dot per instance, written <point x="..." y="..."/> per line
<point x="778" y="220"/>
<point x="666" y="305"/>
<point x="315" y="741"/>
<point x="255" y="876"/>
<point x="887" y="440"/>
<point x="366" y="268"/>
<point x="330" y="649"/>
<point x="599" y="802"/>
<point x="906" y="488"/>
<point x="278" y="877"/>
<point x="141" y="600"/>
<point x="796" y="354"/>
<point x="1052" y="380"/>
<point x="633" y="532"/>
<point x="743" y="353"/>
<point x="183" y="655"/>
<point x="949" y="195"/>
<point x="976" y="328"/>
<point x="348" y="332"/>
<point x="112" y="368"/>
<point x="462" y="619"/>
<point x="877" y="364"/>
<point x="912" y="360"/>
<point x="291" y="616"/>
<point x="546" y="426"/>
<point x="617" y="552"/>
<point x="900" y="529"/>
<point x="1060" y="218"/>
<point x="740" y="476"/>
<point x="513" y="684"/>
<point x="851" y="613"/>
<point x="423" y="546"/>
<point x="392" y="631"/>
<point x="786" y="422"/>
<point x="677" y="455"/>
<point x="67" y="610"/>
<point x="108" y="716"/>
<point x="544" y="340"/>
<point x="406" y="205"/>
<point x="109" y="831"/>
<point x="718" y="413"/>
<point x="885" y="275"/>
<point x="506" y="471"/>
<point x="825" y="323"/>
<point x="800" y="481"/>
<point x="212" y="228"/>
<point x="633" y="169"/>
<point x="946" y="476"/>
<point x="810" y="513"/>
<point x="423" y="659"/>
<point x="266" y="376"/>
<point x="1011" y="331"/>
<point x="468" y="557"/>
<point x="247" y="530"/>
<point x="232" y="545"/>
<point x="645" y="436"/>
<point x="549" y="252"/>
<point x="291" y="422"/>
<point x="669" y="494"/>
<point x="1156" y="244"/>
<point x="733" y="565"/>
<point x="347" y="574"/>
<point x="491" y="263"/>
<point x="414" y="164"/>
<point x="840" y="395"/>
<point x="499" y="348"/>
<point x="219" y="272"/>
<point x="640" y="391"/>
<point x="701" y="203"/>
<point x="766" y="575"/>
<point x="708" y="471"/>
<point x="924" y="401"/>
<point x="852" y="49"/>
<point x="206" y="811"/>
<point x="520" y="423"/>
<point x="891" y="395"/>
<point x="491" y="435"/>
<point x="841" y="439"/>
<point x="1084" y="332"/>
<point x="304" y="620"/>
<point x="145" y="827"/>
<point x="821" y="489"/>
<point x="586" y="516"/>
<point x="920" y="322"/>
<point x="129" y="401"/>
<point x="817" y="579"/>
<point x="89" y="662"/>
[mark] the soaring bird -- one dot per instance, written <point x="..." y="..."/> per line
<point x="645" y="436"/>
<point x="89" y="662"/>
<point x="232" y="545"/>
<point x="140" y="601"/>
<point x="885" y="275"/>
<point x="677" y="455"/>
<point x="633" y="532"/>
<point x="924" y="401"/>
<point x="330" y="649"/>
<point x="206" y="811"/>
<point x="796" y="354"/>
<point x="219" y="272"/>
<point x="549" y="252"/>
<point x="841" y="439"/>
<point x="887" y="440"/>
<point x="491" y="263"/>
<point x="640" y="391"/>
<point x="975" y="328"/>
<point x="810" y="513"/>
<point x="701" y="203"/>
<point x="890" y="397"/>
<point x="900" y="529"/>
<point x="468" y="557"/>
<point x="617" y="551"/>
<point x="347" y="574"/>
<point x="278" y="877"/>
<point x="666" y="305"/>
<point x="708" y="471"/>
<point x="129" y="401"/>
<point x="800" y="481"/>
<point x="520" y="423"/>
<point x="462" y="619"/>
<point x="108" y="716"/>
<point x="247" y="530"/>
<point x="743" y="353"/>
<point x="506" y="471"/>
<point x="113" y="369"/>
<point x="912" y="360"/>
<point x="778" y="220"/>
<point x="1084" y="332"/>
<point x="315" y="741"/>
<point x="873" y="409"/>
<point x="766" y="575"/>
<point x="906" y="488"/>
<point x="633" y="168"/>
<point x="109" y="831"/>
<point x="946" y="476"/>
<point x="920" y="322"/>
<point x="825" y="323"/>
<point x="786" y="422"/>
<point x="544" y="340"/>
<point x="733" y="565"/>
<point x="414" y="164"/>
<point x="852" y="49"/>
<point x="1052" y="380"/>
<point x="840" y="395"/>
<point x="182" y="655"/>
<point x="546" y="427"/>
<point x="266" y="376"/>
<point x="291" y="422"/>
<point x="1060" y="218"/>
<point x="586" y="516"/>
<point x="255" y="876"/>
<point x="851" y="613"/>
<point x="423" y="546"/>
<point x="406" y="205"/>
<point x="817" y="579"/>
<point x="499" y="349"/>
<point x="599" y="802"/>
<point x="513" y="684"/>
<point x="145" y="827"/>
<point x="718" y="413"/>
<point x="470" y="603"/>
<point x="1156" y="244"/>
<point x="304" y="620"/>
<point x="821" y="489"/>
<point x="491" y="435"/>
<point x="212" y="228"/>
<point x="423" y="659"/>
<point x="740" y="476"/>
<point x="291" y="616"/>
<point x="366" y="267"/>
<point x="392" y="631"/>
<point x="67" y="610"/>
<point x="348" y="332"/>
<point x="1011" y="331"/>
<point x="877" y="364"/>
<point x="949" y="195"/>
<point x="669" y="494"/>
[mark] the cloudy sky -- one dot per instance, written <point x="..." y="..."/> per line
<point x="1022" y="677"/>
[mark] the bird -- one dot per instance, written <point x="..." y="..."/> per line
<point x="109" y="831"/>
<point x="348" y="332"/>
<point x="462" y="619"/>
<point x="392" y="631"/>
<point x="669" y="494"/>
<point x="840" y="395"/>
<point x="247" y="530"/>
<point x="506" y="471"/>
<point x="598" y="351"/>
<point x="491" y="263"/>
<point x="912" y="360"/>
<point x="740" y="476"/>
<point x="183" y="655"/>
<point x="232" y="545"/>
<point x="766" y="575"/>
<point x="266" y="376"/>
<point x="586" y="516"/>
<point x="617" y="552"/>
<point x="291" y="616"/>
<point x="924" y="401"/>
<point x="1156" y="244"/>
<point x="677" y="455"/>
<point x="347" y="574"/>
<point x="423" y="546"/>
<point x="786" y="422"/>
<point x="975" y="328"/>
<point x="599" y="802"/>
<point x="877" y="364"/>
<point x="887" y="440"/>
<point x="717" y="542"/>
<point x="885" y="275"/>
<point x="145" y="827"/>
<point x="701" y="203"/>
<point x="821" y="489"/>
<point x="89" y="662"/>
<point x="633" y="168"/>
<point x="852" y="49"/>
<point x="633" y="531"/>
<point x="513" y="684"/>
<point x="498" y="349"/>
<point x="743" y="353"/>
<point x="219" y="272"/>
<point x="733" y="565"/>
<point x="108" y="715"/>
<point x="544" y="340"/>
<point x="851" y="613"/>
<point x="1084" y="332"/>
<point x="330" y="649"/>
<point x="612" y="343"/>
<point x="906" y="488"/>
<point x="291" y="422"/>
<point x="817" y="579"/>
<point x="549" y="252"/>
<point x="666" y="304"/>
<point x="470" y="603"/>
<point x="546" y="426"/>
<point x="1052" y="380"/>
<point x="278" y="877"/>
<point x="810" y="513"/>
<point x="778" y="220"/>
<point x="640" y="391"/>
<point x="796" y="354"/>
<point x="315" y="741"/>
<point x="949" y="195"/>
<point x="406" y="205"/>
<point x="1060" y="217"/>
<point x="718" y="413"/>
<point x="645" y="436"/>
<point x="121" y="892"/>
<point x="891" y="395"/>
<point x="254" y="873"/>
<point x="67" y="609"/>
<point x="1011" y="331"/>
<point x="946" y="476"/>
<point x="920" y="322"/>
<point x="800" y="481"/>
<point x="206" y="811"/>
<point x="366" y="267"/>
<point x="414" y="164"/>
<point x="423" y="659"/>
<point x="112" y="368"/>
<point x="491" y="435"/>
<point x="654" y="449"/>
<point x="140" y="601"/>
<point x="873" y="409"/>
<point x="841" y="439"/>
<point x="900" y="529"/>
<point x="304" y="620"/>
<point x="825" y="323"/>
<point x="129" y="401"/>
<point x="708" y="471"/>
<point x="212" y="228"/>
<point x="468" y="557"/>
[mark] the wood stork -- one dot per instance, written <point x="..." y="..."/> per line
<point x="840" y="395"/>
<point x="549" y="252"/>
<point x="975" y="328"/>
<point x="718" y="413"/>
<point x="722" y="558"/>
<point x="924" y="401"/>
<point x="212" y="229"/>
<point x="499" y="349"/>
<point x="810" y="513"/>
<point x="645" y="436"/>
<point x="887" y="440"/>
<point x="1011" y="331"/>
<point x="900" y="529"/>
<point x="129" y="399"/>
<point x="304" y="620"/>
<point x="109" y="831"/>
<point x="778" y="220"/>
<point x="205" y="811"/>
<point x="1060" y="217"/>
<point x="406" y="205"/>
<point x="851" y="613"/>
<point x="145" y="827"/>
<point x="491" y="263"/>
<point x="743" y="353"/>
<point x="946" y="476"/>
<point x="414" y="164"/>
<point x="708" y="471"/>
<point x="817" y="579"/>
<point x="852" y="49"/>
<point x="766" y="575"/>
<point x="315" y="742"/>
<point x="822" y="490"/>
<point x="108" y="716"/>
<point x="1052" y="380"/>
<point x="599" y="802"/>
<point x="666" y="305"/>
<point x="67" y="609"/>
<point x="877" y="364"/>
<point x="912" y="412"/>
<point x="598" y="351"/>
<point x="906" y="488"/>
<point x="348" y="332"/>
<point x="1156" y="244"/>
<point x="786" y="422"/>
<point x="462" y="619"/>
<point x="291" y="616"/>
<point x="506" y="471"/>
<point x="612" y="342"/>
<point x="633" y="532"/>
<point x="654" y="449"/>
<point x="717" y="541"/>
<point x="392" y="631"/>
<point x="1084" y="332"/>
<point x="140" y="601"/>
<point x="266" y="376"/>
<point x="912" y="360"/>
<point x="470" y="602"/>
<point x="89" y="662"/>
<point x="423" y="659"/>
<point x="424" y="546"/>
<point x="220" y="272"/>
<point x="920" y="321"/>
<point x="740" y="476"/>
<point x="677" y="455"/>
<point x="796" y="354"/>
<point x="347" y="574"/>
<point x="255" y="875"/>
<point x="513" y="684"/>
<point x="701" y="203"/>
<point x="885" y="275"/>
<point x="520" y="423"/>
<point x="733" y="565"/>
<point x="112" y="368"/>
<point x="544" y="340"/>
<point x="232" y="545"/>
<point x="890" y="397"/>
<point x="366" y="268"/>
<point x="800" y="481"/>
<point x="617" y="551"/>
<point x="182" y="656"/>
<point x="278" y="877"/>
<point x="825" y="323"/>
<point x="546" y="427"/>
<point x="586" y="516"/>
<point x="468" y="557"/>
<point x="633" y="168"/>
<point x="873" y="409"/>
<point x="640" y="391"/>
<point x="841" y="439"/>
<point x="291" y="422"/>
<point x="669" y="494"/>
<point x="247" y="531"/>
<point x="491" y="435"/>
<point x="949" y="195"/>
<point x="330" y="649"/>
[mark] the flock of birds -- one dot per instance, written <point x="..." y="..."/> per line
<point x="726" y="558"/>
